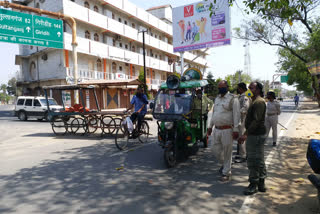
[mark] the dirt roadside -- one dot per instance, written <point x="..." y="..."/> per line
<point x="289" y="190"/>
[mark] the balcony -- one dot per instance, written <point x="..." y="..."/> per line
<point x="102" y="50"/>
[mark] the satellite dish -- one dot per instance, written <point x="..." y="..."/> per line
<point x="173" y="82"/>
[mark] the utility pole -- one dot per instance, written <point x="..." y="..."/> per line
<point x="144" y="59"/>
<point x="240" y="72"/>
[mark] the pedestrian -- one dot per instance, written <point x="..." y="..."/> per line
<point x="273" y="110"/>
<point x="189" y="28"/>
<point x="244" y="102"/>
<point x="255" y="137"/>
<point x="296" y="100"/>
<point x="226" y="119"/>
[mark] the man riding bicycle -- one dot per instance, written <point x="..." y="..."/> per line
<point x="140" y="102"/>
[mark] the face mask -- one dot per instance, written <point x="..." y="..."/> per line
<point x="223" y="90"/>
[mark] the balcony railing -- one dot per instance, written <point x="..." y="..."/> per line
<point x="114" y="26"/>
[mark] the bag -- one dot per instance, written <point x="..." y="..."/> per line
<point x="313" y="155"/>
<point x="197" y="37"/>
<point x="129" y="124"/>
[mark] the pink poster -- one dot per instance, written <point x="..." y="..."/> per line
<point x="219" y="33"/>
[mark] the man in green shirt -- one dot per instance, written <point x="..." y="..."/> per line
<point x="255" y="137"/>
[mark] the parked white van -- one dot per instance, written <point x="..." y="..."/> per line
<point x="34" y="107"/>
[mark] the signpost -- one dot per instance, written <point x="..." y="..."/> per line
<point x="27" y="29"/>
<point x="284" y="79"/>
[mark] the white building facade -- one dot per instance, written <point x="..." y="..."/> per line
<point x="109" y="47"/>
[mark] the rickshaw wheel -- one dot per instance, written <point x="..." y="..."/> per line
<point x="122" y="139"/>
<point x="144" y="132"/>
<point x="170" y="156"/>
<point x="58" y="126"/>
<point x="108" y="125"/>
<point x="93" y="124"/>
<point x="118" y="124"/>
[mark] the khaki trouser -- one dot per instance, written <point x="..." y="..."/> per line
<point x="255" y="161"/>
<point x="222" y="148"/>
<point x="272" y="122"/>
<point x="242" y="147"/>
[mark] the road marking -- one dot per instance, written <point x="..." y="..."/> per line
<point x="245" y="208"/>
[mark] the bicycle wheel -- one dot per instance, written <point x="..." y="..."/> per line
<point x="108" y="124"/>
<point x="93" y="124"/>
<point x="122" y="139"/>
<point x="144" y="132"/>
<point x="58" y="126"/>
<point x="118" y="123"/>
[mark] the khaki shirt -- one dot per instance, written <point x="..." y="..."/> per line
<point x="226" y="111"/>
<point x="273" y="108"/>
<point x="245" y="103"/>
<point x="206" y="104"/>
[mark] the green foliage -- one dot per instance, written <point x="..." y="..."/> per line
<point x="210" y="76"/>
<point x="12" y="86"/>
<point x="233" y="80"/>
<point x="145" y="86"/>
<point x="277" y="92"/>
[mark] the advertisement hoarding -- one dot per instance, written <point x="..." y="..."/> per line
<point x="314" y="67"/>
<point x="194" y="28"/>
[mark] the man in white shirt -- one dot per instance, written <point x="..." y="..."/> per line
<point x="226" y="119"/>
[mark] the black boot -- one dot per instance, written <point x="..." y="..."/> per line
<point x="251" y="189"/>
<point x="261" y="185"/>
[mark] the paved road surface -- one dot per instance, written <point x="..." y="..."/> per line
<point x="43" y="173"/>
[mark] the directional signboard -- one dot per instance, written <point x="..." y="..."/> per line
<point x="29" y="29"/>
<point x="284" y="79"/>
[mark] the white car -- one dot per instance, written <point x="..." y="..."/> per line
<point x="35" y="107"/>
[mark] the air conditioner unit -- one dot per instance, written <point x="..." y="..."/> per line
<point x="118" y="37"/>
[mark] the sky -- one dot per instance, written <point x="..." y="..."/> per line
<point x="223" y="60"/>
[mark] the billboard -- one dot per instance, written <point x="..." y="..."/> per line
<point x="193" y="28"/>
<point x="314" y="67"/>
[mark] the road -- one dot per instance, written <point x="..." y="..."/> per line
<point x="43" y="173"/>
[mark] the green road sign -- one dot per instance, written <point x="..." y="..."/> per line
<point x="26" y="29"/>
<point x="284" y="79"/>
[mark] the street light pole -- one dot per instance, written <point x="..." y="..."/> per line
<point x="144" y="58"/>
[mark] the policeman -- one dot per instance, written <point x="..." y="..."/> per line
<point x="255" y="137"/>
<point x="244" y="106"/>
<point x="226" y="119"/>
<point x="202" y="101"/>
<point x="273" y="110"/>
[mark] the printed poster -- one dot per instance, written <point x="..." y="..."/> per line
<point x="193" y="28"/>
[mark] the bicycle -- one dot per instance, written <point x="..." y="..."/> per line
<point x="124" y="136"/>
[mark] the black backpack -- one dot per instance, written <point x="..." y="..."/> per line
<point x="313" y="155"/>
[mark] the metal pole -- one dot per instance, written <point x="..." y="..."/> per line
<point x="144" y="58"/>
<point x="182" y="62"/>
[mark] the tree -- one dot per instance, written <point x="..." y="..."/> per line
<point x="275" y="27"/>
<point x="210" y="76"/>
<point x="145" y="86"/>
<point x="233" y="79"/>
<point x="12" y="86"/>
<point x="277" y="92"/>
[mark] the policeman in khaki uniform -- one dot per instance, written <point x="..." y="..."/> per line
<point x="226" y="119"/>
<point x="273" y="110"/>
<point x="244" y="106"/>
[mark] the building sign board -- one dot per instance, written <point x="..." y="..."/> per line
<point x="27" y="29"/>
<point x="194" y="28"/>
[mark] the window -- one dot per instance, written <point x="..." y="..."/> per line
<point x="160" y="37"/>
<point x="133" y="25"/>
<point x="157" y="56"/>
<point x="119" y="19"/>
<point x="114" y="42"/>
<point x="38" y="5"/>
<point x="125" y="22"/>
<point x="28" y="102"/>
<point x="114" y="67"/>
<point x="96" y="37"/>
<point x="133" y="48"/>
<point x="20" y="102"/>
<point x="120" y="45"/>
<point x="99" y="65"/>
<point x="31" y="47"/>
<point x="113" y="16"/>
<point x="87" y="35"/>
<point x="95" y="8"/>
<point x="87" y="5"/>
<point x="36" y="103"/>
<point x="126" y="46"/>
<point x="120" y="68"/>
<point x="160" y="57"/>
<point x="156" y="36"/>
<point x="151" y="34"/>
